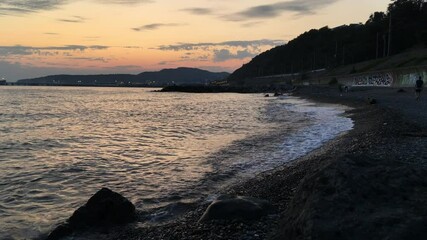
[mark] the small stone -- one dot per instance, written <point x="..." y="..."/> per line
<point x="236" y="208"/>
<point x="371" y="101"/>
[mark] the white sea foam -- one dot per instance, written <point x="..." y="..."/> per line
<point x="314" y="124"/>
<point x="328" y="122"/>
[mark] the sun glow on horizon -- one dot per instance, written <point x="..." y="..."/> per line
<point x="91" y="36"/>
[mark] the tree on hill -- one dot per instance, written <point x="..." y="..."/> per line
<point x="409" y="23"/>
<point x="347" y="44"/>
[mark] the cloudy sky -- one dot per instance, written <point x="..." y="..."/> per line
<point x="43" y="37"/>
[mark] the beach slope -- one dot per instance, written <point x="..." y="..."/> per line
<point x="367" y="184"/>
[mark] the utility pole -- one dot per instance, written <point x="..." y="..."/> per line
<point x="326" y="61"/>
<point x="314" y="60"/>
<point x="385" y="45"/>
<point x="302" y="64"/>
<point x="389" y="36"/>
<point x="343" y="54"/>
<point x="336" y="53"/>
<point x="377" y="49"/>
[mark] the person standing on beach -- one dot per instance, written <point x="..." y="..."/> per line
<point x="418" y="87"/>
<point x="342" y="88"/>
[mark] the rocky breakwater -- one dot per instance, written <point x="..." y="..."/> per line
<point x="226" y="89"/>
<point x="104" y="209"/>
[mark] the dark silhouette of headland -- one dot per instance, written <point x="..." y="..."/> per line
<point x="165" y="77"/>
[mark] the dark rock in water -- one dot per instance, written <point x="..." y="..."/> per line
<point x="243" y="208"/>
<point x="105" y="208"/>
<point x="401" y="90"/>
<point x="277" y="94"/>
<point x="267" y="95"/>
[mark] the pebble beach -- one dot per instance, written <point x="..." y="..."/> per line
<point x="367" y="184"/>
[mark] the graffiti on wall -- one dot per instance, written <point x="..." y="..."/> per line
<point x="376" y="79"/>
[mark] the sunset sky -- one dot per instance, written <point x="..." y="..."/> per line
<point x="43" y="37"/>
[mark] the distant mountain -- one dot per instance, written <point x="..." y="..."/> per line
<point x="80" y="80"/>
<point x="165" y="77"/>
<point x="181" y="76"/>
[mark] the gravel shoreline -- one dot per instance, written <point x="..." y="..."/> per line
<point x="366" y="184"/>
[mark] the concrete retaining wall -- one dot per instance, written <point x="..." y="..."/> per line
<point x="404" y="77"/>
<point x="397" y="77"/>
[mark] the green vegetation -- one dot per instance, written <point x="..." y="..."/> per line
<point x="328" y="48"/>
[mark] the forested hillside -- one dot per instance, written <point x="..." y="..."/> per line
<point x="403" y="26"/>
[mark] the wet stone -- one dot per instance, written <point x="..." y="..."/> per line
<point x="237" y="208"/>
<point x="105" y="208"/>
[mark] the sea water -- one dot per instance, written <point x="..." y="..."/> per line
<point x="59" y="145"/>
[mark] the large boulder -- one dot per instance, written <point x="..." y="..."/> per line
<point x="105" y="208"/>
<point x="60" y="232"/>
<point x="236" y="208"/>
